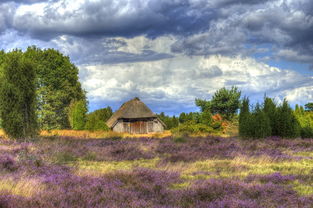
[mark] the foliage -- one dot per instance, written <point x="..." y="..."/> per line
<point x="97" y="119"/>
<point x="309" y="106"/>
<point x="169" y="121"/>
<point x="203" y="104"/>
<point x="260" y="124"/>
<point x="305" y="119"/>
<point x="270" y="109"/>
<point x="18" y="96"/>
<point x="244" y="118"/>
<point x="192" y="128"/>
<point x="57" y="85"/>
<point x="225" y="102"/>
<point x="77" y="114"/>
<point x="287" y="125"/>
<point x="272" y="120"/>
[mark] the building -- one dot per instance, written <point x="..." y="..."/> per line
<point x="136" y="118"/>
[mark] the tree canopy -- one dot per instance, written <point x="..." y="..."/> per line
<point x="224" y="101"/>
<point x="18" y="95"/>
<point x="57" y="85"/>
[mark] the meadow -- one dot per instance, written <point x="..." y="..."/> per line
<point x="62" y="170"/>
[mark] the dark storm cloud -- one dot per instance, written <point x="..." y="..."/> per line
<point x="200" y="27"/>
<point x="287" y="26"/>
<point x="109" y="18"/>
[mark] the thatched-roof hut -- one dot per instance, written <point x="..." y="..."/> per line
<point x="136" y="118"/>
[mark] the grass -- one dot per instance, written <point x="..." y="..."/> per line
<point x="62" y="170"/>
<point x="84" y="134"/>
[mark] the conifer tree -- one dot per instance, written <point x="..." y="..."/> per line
<point x="261" y="123"/>
<point x="287" y="124"/>
<point x="270" y="109"/>
<point x="244" y="118"/>
<point x="18" y="96"/>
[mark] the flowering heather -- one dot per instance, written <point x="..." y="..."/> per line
<point x="7" y="162"/>
<point x="147" y="172"/>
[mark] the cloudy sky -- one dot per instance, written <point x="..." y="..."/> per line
<point x="169" y="52"/>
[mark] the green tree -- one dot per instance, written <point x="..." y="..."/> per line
<point x="309" y="106"/>
<point x="170" y="122"/>
<point x="57" y="85"/>
<point x="77" y="114"/>
<point x="226" y="102"/>
<point x="182" y="117"/>
<point x="261" y="123"/>
<point x="204" y="105"/>
<point x="97" y="119"/>
<point x="18" y="95"/>
<point x="270" y="108"/>
<point x="244" y="119"/>
<point x="305" y="119"/>
<point x="287" y="124"/>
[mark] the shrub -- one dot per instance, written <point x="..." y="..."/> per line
<point x="192" y="128"/>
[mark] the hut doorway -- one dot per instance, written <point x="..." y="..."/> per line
<point x="138" y="127"/>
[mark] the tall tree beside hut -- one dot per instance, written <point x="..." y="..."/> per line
<point x="18" y="96"/>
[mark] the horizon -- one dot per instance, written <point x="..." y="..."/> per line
<point x="169" y="53"/>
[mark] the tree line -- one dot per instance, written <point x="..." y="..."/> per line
<point x="270" y="119"/>
<point x="36" y="90"/>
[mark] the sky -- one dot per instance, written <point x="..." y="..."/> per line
<point x="169" y="52"/>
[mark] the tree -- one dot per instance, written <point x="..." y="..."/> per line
<point x="226" y="102"/>
<point x="261" y="123"/>
<point x="244" y="118"/>
<point x="204" y="105"/>
<point x="309" y="106"/>
<point x="287" y="124"/>
<point x="97" y="119"/>
<point x="77" y="114"/>
<point x="57" y="85"/>
<point x="270" y="108"/>
<point x="170" y="122"/>
<point x="305" y="119"/>
<point x="18" y="96"/>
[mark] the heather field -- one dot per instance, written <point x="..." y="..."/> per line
<point x="63" y="171"/>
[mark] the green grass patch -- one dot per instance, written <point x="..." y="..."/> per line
<point x="103" y="167"/>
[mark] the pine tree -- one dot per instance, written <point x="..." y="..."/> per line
<point x="18" y="96"/>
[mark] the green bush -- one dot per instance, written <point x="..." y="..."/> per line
<point x="192" y="128"/>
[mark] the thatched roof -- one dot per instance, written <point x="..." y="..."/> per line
<point x="130" y="110"/>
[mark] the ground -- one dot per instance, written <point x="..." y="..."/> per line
<point x="64" y="171"/>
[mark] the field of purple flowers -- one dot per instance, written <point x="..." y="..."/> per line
<point x="147" y="172"/>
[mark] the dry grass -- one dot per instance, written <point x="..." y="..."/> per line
<point x="101" y="134"/>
